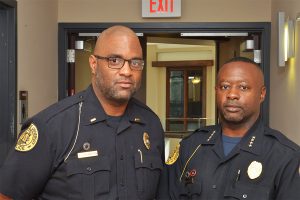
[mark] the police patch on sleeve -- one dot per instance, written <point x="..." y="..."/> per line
<point x="28" y="139"/>
<point x="172" y="159"/>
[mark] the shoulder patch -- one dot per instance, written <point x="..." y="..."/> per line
<point x="172" y="159"/>
<point x="28" y="139"/>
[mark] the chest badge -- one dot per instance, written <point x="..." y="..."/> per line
<point x="146" y="139"/>
<point x="254" y="169"/>
<point x="28" y="139"/>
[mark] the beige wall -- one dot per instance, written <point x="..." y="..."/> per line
<point x="37" y="52"/>
<point x="192" y="11"/>
<point x="285" y="81"/>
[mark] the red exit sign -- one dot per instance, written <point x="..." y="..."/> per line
<point x="161" y="8"/>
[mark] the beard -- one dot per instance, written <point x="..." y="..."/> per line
<point x="111" y="91"/>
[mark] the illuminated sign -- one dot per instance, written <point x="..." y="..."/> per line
<point x="161" y="8"/>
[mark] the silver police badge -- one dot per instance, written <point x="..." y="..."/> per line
<point x="254" y="169"/>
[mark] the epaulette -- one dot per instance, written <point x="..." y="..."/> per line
<point x="282" y="139"/>
<point x="203" y="131"/>
<point x="142" y="105"/>
<point x="60" y="106"/>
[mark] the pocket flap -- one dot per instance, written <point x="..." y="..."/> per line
<point x="242" y="191"/>
<point x="192" y="189"/>
<point x="88" y="166"/>
<point x="148" y="161"/>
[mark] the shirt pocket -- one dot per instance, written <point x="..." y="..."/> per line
<point x="188" y="191"/>
<point x="88" y="177"/>
<point x="243" y="191"/>
<point x="147" y="169"/>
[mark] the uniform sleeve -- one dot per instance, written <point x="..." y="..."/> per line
<point x="289" y="184"/>
<point x="28" y="164"/>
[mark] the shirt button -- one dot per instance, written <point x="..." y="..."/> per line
<point x="214" y="186"/>
<point x="89" y="169"/>
<point x="245" y="196"/>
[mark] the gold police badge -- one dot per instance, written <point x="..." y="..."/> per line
<point x="28" y="139"/>
<point x="172" y="159"/>
<point x="146" y="139"/>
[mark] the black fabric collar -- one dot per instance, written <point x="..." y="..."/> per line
<point x="93" y="112"/>
<point x="252" y="141"/>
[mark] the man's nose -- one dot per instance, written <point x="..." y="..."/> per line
<point x="126" y="70"/>
<point x="233" y="93"/>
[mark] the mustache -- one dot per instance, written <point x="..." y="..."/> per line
<point x="232" y="104"/>
<point x="128" y="80"/>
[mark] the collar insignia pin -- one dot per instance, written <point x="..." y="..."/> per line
<point x="211" y="135"/>
<point x="137" y="119"/>
<point x="93" y="119"/>
<point x="251" y="141"/>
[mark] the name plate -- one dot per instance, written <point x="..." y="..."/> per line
<point x="87" y="154"/>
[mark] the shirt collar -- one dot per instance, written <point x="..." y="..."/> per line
<point x="93" y="112"/>
<point x="252" y="141"/>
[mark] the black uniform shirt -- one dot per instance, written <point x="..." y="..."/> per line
<point x="79" y="155"/>
<point x="264" y="165"/>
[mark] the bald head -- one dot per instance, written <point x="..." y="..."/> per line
<point x="257" y="69"/>
<point x="114" y="32"/>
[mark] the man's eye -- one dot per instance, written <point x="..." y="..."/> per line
<point x="114" y="61"/>
<point x="224" y="87"/>
<point x="135" y="62"/>
<point x="242" y="87"/>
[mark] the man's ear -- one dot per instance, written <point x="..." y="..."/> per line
<point x="263" y="93"/>
<point x="93" y="64"/>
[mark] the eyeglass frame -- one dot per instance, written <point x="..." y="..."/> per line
<point x="124" y="60"/>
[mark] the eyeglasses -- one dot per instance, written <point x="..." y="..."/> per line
<point x="118" y="62"/>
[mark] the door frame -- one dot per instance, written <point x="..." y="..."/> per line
<point x="9" y="67"/>
<point x="264" y="28"/>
